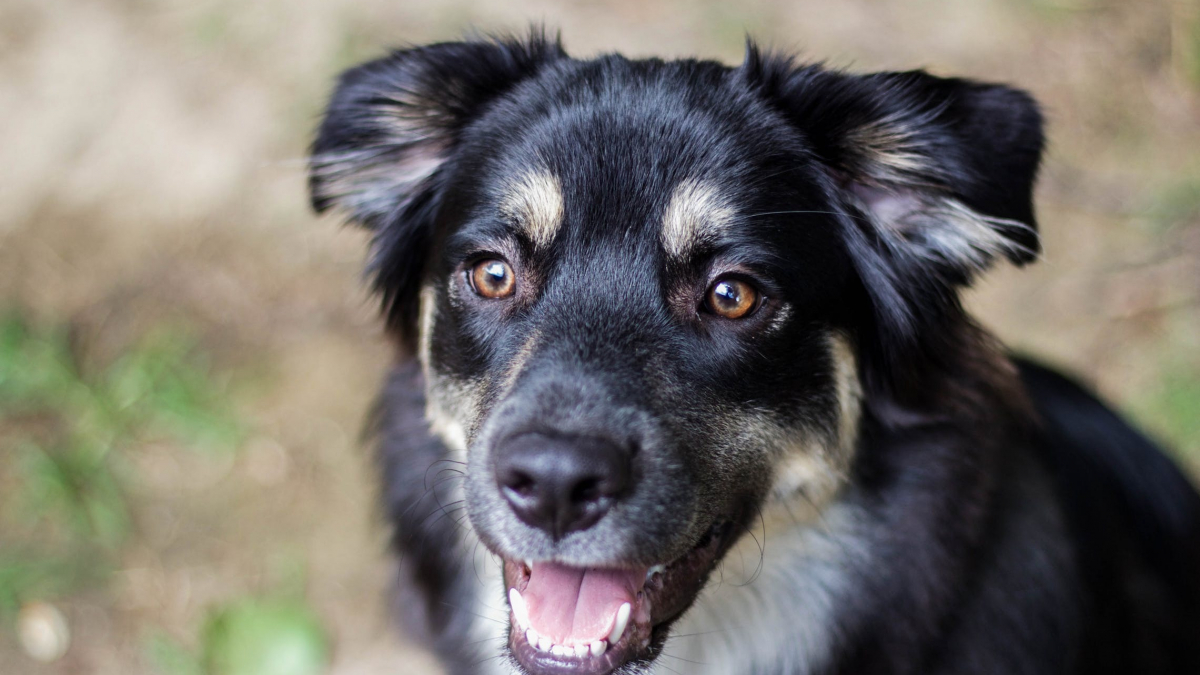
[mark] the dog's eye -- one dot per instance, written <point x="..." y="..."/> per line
<point x="731" y="298"/>
<point x="493" y="279"/>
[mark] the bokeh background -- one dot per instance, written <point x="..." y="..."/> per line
<point x="187" y="353"/>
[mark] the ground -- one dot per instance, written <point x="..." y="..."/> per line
<point x="187" y="353"/>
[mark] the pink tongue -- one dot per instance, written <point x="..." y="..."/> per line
<point x="571" y="605"/>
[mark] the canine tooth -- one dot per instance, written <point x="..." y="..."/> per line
<point x="531" y="636"/>
<point x="598" y="647"/>
<point x="519" y="608"/>
<point x="544" y="644"/>
<point x="619" y="626"/>
<point x="581" y="650"/>
<point x="654" y="570"/>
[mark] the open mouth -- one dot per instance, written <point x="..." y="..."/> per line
<point x="594" y="620"/>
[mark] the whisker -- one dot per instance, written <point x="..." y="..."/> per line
<point x="484" y="660"/>
<point x="481" y="616"/>
<point x="475" y="562"/>
<point x="427" y="491"/>
<point x="439" y="510"/>
<point x="425" y="477"/>
<point x="680" y="658"/>
<point x="660" y="664"/>
<point x="493" y="638"/>
<point x="762" y="551"/>
<point x="452" y="516"/>
<point x="800" y="212"/>
<point x="707" y="632"/>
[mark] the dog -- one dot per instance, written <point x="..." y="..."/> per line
<point x="684" y="383"/>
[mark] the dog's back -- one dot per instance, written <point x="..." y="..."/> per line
<point x="1135" y="522"/>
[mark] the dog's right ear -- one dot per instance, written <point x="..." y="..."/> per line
<point x="933" y="179"/>
<point x="382" y="147"/>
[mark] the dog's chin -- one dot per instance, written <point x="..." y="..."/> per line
<point x="598" y="620"/>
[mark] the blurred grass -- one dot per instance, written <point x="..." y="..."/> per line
<point x="249" y="636"/>
<point x="272" y="637"/>
<point x="1171" y="408"/>
<point x="272" y="633"/>
<point x="1176" y="205"/>
<point x="1185" y="24"/>
<point x="71" y="426"/>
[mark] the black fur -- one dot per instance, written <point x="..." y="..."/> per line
<point x="1003" y="521"/>
<point x="417" y="478"/>
<point x="1136" y="523"/>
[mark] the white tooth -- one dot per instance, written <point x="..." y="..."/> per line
<point x="654" y="570"/>
<point x="560" y="650"/>
<point x="598" y="647"/>
<point x="519" y="608"/>
<point x="544" y="643"/>
<point x="531" y="636"/>
<point x="581" y="650"/>
<point x="619" y="626"/>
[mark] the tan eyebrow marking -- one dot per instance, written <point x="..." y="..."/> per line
<point x="535" y="202"/>
<point x="696" y="213"/>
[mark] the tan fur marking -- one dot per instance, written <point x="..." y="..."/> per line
<point x="696" y="213"/>
<point x="888" y="148"/>
<point x="799" y="552"/>
<point x="440" y="413"/>
<point x="816" y="463"/>
<point x="535" y="202"/>
<point x="517" y="365"/>
<point x="446" y="401"/>
<point x="850" y="394"/>
<point x="426" y="311"/>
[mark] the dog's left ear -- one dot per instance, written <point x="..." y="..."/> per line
<point x="935" y="177"/>
<point x="390" y="131"/>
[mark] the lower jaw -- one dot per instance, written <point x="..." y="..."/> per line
<point x="637" y="644"/>
<point x="665" y="596"/>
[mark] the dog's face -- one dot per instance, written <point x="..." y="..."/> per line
<point x="647" y="296"/>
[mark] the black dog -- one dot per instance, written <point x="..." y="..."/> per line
<point x="660" y="319"/>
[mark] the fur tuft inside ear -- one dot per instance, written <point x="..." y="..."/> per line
<point x="940" y="231"/>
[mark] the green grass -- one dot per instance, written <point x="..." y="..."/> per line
<point x="277" y="635"/>
<point x="1189" y="51"/>
<point x="1176" y="205"/>
<point x="68" y="427"/>
<point x="1172" y="410"/>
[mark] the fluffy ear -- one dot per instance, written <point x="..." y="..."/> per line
<point x="935" y="177"/>
<point x="387" y="135"/>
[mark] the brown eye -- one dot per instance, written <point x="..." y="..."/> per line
<point x="732" y="298"/>
<point x="493" y="279"/>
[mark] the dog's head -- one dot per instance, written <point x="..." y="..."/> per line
<point x="650" y="297"/>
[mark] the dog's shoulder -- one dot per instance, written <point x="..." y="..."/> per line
<point x="1135" y="521"/>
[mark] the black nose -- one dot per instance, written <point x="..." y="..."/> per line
<point x="562" y="484"/>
